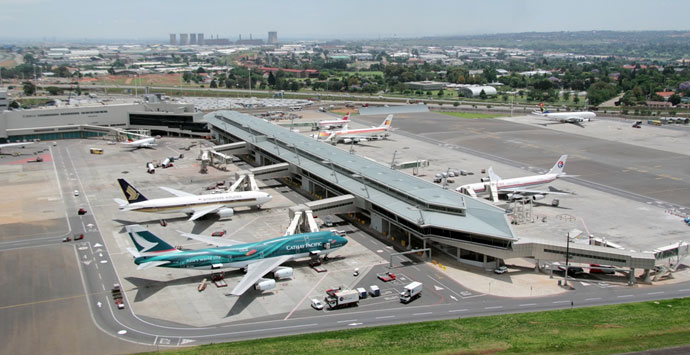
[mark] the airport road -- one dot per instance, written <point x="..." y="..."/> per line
<point x="442" y="298"/>
<point x="642" y="174"/>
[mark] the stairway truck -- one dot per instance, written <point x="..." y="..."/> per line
<point x="342" y="299"/>
<point x="411" y="291"/>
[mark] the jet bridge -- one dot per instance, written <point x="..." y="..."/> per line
<point x="302" y="216"/>
<point x="245" y="180"/>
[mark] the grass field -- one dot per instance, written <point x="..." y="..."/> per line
<point x="594" y="330"/>
<point x="472" y="115"/>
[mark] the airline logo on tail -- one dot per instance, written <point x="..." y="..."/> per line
<point x="543" y="108"/>
<point x="561" y="164"/>
<point x="143" y="245"/>
<point x="132" y="194"/>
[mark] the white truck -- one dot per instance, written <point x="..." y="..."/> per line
<point x="342" y="299"/>
<point x="411" y="291"/>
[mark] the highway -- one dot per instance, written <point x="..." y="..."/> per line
<point x="442" y="297"/>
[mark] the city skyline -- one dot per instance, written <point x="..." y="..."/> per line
<point x="43" y="19"/>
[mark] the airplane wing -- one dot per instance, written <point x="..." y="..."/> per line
<point x="210" y="240"/>
<point x="198" y="213"/>
<point x="527" y="192"/>
<point x="256" y="271"/>
<point x="177" y="193"/>
<point x="14" y="144"/>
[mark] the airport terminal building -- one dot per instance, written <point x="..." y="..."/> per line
<point x="401" y="207"/>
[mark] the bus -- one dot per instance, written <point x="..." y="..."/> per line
<point x="95" y="150"/>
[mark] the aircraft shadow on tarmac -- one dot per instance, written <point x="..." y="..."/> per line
<point x="200" y="225"/>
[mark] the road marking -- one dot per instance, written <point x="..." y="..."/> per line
<point x="528" y="304"/>
<point x="655" y="293"/>
<point x="186" y="341"/>
<point x="684" y="290"/>
<point x="494" y="307"/>
<point x="355" y="324"/>
<point x="561" y="301"/>
<point x="345" y="321"/>
<point x="625" y="296"/>
<point x="438" y="288"/>
<point x="305" y="296"/>
<point x="421" y="314"/>
<point x="122" y="332"/>
<point x="415" y="267"/>
<point x="384" y="317"/>
<point x="592" y="299"/>
<point x="453" y="297"/>
<point x="457" y="310"/>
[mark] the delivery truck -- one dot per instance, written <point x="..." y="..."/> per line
<point x="344" y="298"/>
<point x="410" y="292"/>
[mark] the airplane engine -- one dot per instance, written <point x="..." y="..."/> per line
<point x="537" y="197"/>
<point x="265" y="284"/>
<point x="225" y="212"/>
<point x="363" y="140"/>
<point x="314" y="252"/>
<point x="485" y="179"/>
<point x="347" y="140"/>
<point x="282" y="273"/>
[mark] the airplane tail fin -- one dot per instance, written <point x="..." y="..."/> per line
<point x="558" y="167"/>
<point x="131" y="193"/>
<point x="387" y="122"/>
<point x="146" y="242"/>
<point x="492" y="175"/>
<point x="543" y="108"/>
<point x="347" y="117"/>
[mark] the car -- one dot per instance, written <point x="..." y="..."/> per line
<point x="78" y="236"/>
<point x="81" y="212"/>
<point x="163" y="222"/>
<point x="76" y="192"/>
<point x="218" y="233"/>
<point x="66" y="239"/>
<point x="385" y="277"/>
<point x="328" y="222"/>
<point x="316" y="304"/>
<point x="501" y="270"/>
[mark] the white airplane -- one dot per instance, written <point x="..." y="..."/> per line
<point x="196" y="206"/>
<point x="6" y="145"/>
<point x="346" y="135"/>
<point x="514" y="189"/>
<point x="142" y="142"/>
<point x="575" y="118"/>
<point x="330" y="124"/>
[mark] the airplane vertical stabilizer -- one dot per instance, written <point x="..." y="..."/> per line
<point x="559" y="166"/>
<point x="146" y="242"/>
<point x="131" y="193"/>
<point x="387" y="122"/>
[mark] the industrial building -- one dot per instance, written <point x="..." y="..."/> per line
<point x="4" y="102"/>
<point x="476" y="91"/>
<point x="272" y="37"/>
<point x="392" y="204"/>
<point x="425" y="85"/>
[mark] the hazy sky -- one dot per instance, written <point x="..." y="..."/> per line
<point x="155" y="19"/>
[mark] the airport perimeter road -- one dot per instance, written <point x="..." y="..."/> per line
<point x="442" y="298"/>
<point x="642" y="174"/>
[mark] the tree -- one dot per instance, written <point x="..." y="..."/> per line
<point x="186" y="76"/>
<point x="271" y="79"/>
<point x="674" y="99"/>
<point x="14" y="105"/>
<point x="213" y="84"/>
<point x="576" y="99"/>
<point x="482" y="95"/>
<point x="29" y="88"/>
<point x="62" y="72"/>
<point x="566" y="95"/>
<point x="52" y="90"/>
<point x="440" y="93"/>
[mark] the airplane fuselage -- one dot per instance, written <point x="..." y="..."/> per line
<point x="351" y="133"/>
<point x="241" y="255"/>
<point x="187" y="204"/>
<point x="535" y="180"/>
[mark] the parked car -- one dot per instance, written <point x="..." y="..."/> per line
<point x="218" y="233"/>
<point x="385" y="277"/>
<point x="501" y="270"/>
<point x="316" y="304"/>
<point x="81" y="212"/>
<point x="66" y="239"/>
<point x="76" y="192"/>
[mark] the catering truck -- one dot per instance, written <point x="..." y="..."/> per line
<point x="340" y="299"/>
<point x="410" y="292"/>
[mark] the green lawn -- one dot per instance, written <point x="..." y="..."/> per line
<point x="594" y="330"/>
<point x="472" y="115"/>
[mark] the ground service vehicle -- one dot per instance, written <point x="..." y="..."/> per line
<point x="362" y="292"/>
<point x="96" y="150"/>
<point x="342" y="299"/>
<point x="316" y="304"/>
<point x="375" y="291"/>
<point x="411" y="291"/>
<point x="385" y="277"/>
<point x="78" y="236"/>
<point x="81" y="212"/>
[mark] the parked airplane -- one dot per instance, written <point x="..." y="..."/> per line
<point x="142" y="141"/>
<point x="346" y="135"/>
<point x="330" y="124"/>
<point x="258" y="258"/>
<point x="196" y="206"/>
<point x="514" y="189"/>
<point x="575" y="118"/>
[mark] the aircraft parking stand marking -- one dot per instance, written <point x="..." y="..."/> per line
<point x="528" y="305"/>
<point x="593" y="299"/>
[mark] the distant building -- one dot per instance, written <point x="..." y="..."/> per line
<point x="272" y="37"/>
<point x="475" y="91"/>
<point x="250" y="41"/>
<point x="200" y="39"/>
<point x="425" y="85"/>
<point x="173" y="39"/>
<point x="184" y="39"/>
<point x="658" y="104"/>
<point x="299" y="73"/>
<point x="665" y="94"/>
<point x="192" y="38"/>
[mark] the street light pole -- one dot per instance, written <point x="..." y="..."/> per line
<point x="567" y="255"/>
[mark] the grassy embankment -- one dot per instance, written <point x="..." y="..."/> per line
<point x="594" y="330"/>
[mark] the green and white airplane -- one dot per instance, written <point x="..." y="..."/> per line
<point x="258" y="258"/>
